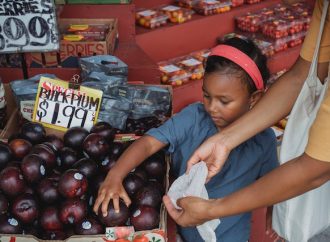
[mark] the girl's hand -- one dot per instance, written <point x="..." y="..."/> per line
<point x="214" y="152"/>
<point x="110" y="189"/>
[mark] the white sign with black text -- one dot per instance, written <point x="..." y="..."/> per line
<point x="28" y="26"/>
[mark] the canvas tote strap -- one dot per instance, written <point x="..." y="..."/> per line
<point x="313" y="68"/>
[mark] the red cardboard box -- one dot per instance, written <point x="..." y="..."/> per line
<point x="70" y="51"/>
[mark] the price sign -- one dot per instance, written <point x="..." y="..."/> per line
<point x="59" y="107"/>
<point x="28" y="26"/>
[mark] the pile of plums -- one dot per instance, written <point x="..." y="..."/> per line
<point x="48" y="184"/>
<point x="140" y="126"/>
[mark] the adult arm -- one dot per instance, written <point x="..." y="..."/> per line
<point x="291" y="179"/>
<point x="276" y="104"/>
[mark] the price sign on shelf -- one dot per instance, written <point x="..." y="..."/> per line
<point x="28" y="26"/>
<point x="59" y="107"/>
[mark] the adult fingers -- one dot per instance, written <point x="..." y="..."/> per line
<point x="181" y="202"/>
<point x="194" y="159"/>
<point x="172" y="211"/>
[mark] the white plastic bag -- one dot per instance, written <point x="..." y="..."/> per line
<point x="300" y="218"/>
<point x="193" y="184"/>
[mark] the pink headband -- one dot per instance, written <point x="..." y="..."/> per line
<point x="241" y="59"/>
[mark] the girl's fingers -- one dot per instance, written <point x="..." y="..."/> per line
<point x="105" y="204"/>
<point x="98" y="202"/>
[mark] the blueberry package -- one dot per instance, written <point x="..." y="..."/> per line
<point x="147" y="101"/>
<point x="148" y="107"/>
<point x="101" y="81"/>
<point x="27" y="89"/>
<point x="108" y="64"/>
<point x="115" y="111"/>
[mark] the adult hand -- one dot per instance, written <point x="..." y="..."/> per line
<point x="214" y="152"/>
<point x="194" y="211"/>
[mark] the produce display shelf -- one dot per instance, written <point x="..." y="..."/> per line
<point x="141" y="67"/>
<point x="198" y="33"/>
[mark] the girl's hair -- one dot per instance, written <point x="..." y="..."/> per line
<point x="225" y="66"/>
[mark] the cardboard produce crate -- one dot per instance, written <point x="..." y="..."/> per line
<point x="70" y="51"/>
<point x="111" y="234"/>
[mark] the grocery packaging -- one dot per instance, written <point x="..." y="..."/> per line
<point x="252" y="22"/>
<point x="177" y="14"/>
<point x="150" y="18"/>
<point x="288" y="41"/>
<point x="85" y="32"/>
<point x="209" y="7"/>
<point x="283" y="26"/>
<point x="252" y="1"/>
<point x="187" y="3"/>
<point x="236" y="3"/>
<point x="193" y="67"/>
<point x="136" y="108"/>
<point x="201" y="55"/>
<point x="172" y="74"/>
<point x="110" y="65"/>
<point x="25" y="91"/>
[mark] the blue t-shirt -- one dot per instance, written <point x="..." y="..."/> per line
<point x="185" y="132"/>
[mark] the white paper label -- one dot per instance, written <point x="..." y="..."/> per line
<point x="191" y="62"/>
<point x="171" y="8"/>
<point x="147" y="13"/>
<point x="169" y="68"/>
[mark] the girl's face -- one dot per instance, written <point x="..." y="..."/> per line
<point x="225" y="98"/>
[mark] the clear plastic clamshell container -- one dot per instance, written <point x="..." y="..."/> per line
<point x="150" y="18"/>
<point x="209" y="7"/>
<point x="177" y="14"/>
<point x="172" y="74"/>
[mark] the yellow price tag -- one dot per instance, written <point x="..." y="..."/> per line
<point x="59" y="107"/>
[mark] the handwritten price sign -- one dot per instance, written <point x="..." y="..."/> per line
<point x="59" y="107"/>
<point x="28" y="26"/>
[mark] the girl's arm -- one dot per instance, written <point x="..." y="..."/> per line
<point x="133" y="156"/>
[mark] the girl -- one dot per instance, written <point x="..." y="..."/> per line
<point x="235" y="77"/>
